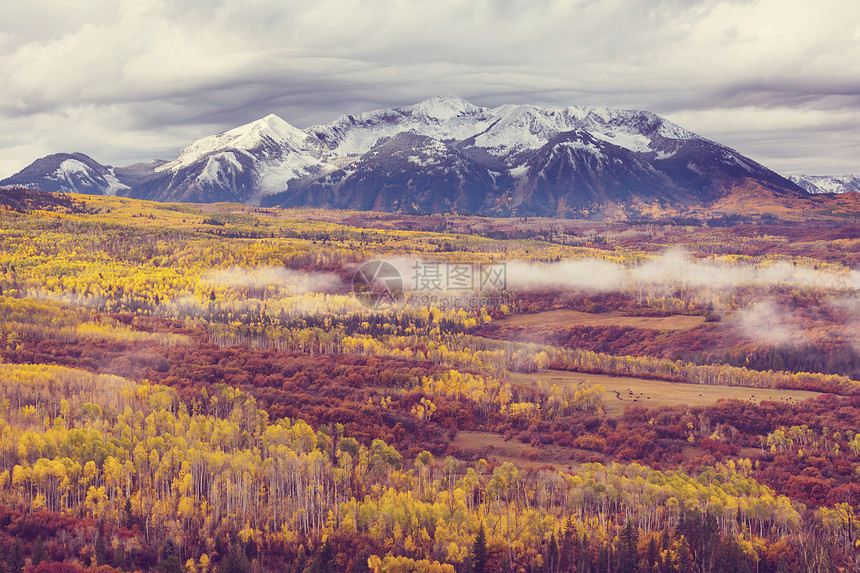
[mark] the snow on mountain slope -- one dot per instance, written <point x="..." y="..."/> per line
<point x="576" y="170"/>
<point x="245" y="163"/>
<point x="114" y="184"/>
<point x="442" y="153"/>
<point x="443" y="118"/>
<point x="73" y="174"/>
<point x="827" y="183"/>
<point x="69" y="173"/>
<point x="504" y="131"/>
<point x="408" y="172"/>
<point x="268" y="132"/>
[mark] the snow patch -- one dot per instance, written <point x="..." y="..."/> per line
<point x="671" y="130"/>
<point x="114" y="185"/>
<point x="519" y="171"/>
<point x="421" y="161"/>
<point x="580" y="146"/>
<point x="732" y="158"/>
<point x="632" y="141"/>
<point x="73" y="167"/>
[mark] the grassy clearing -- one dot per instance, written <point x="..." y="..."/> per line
<point x="494" y="446"/>
<point x="622" y="391"/>
<point x="570" y="318"/>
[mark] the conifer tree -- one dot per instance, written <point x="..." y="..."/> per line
<point x="479" y="551"/>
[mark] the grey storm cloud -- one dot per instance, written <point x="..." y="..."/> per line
<point x="126" y="81"/>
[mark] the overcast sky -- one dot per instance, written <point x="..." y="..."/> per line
<point x="127" y="81"/>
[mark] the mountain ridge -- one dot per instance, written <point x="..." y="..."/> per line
<point x="817" y="184"/>
<point x="448" y="155"/>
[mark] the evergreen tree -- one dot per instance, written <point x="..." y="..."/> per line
<point x="39" y="552"/>
<point x="686" y="562"/>
<point x="551" y="564"/>
<point x="15" y="559"/>
<point x="101" y="550"/>
<point x="359" y="563"/>
<point x="585" y="560"/>
<point x="479" y="551"/>
<point x="126" y="510"/>
<point x="653" y="557"/>
<point x="629" y="547"/>
<point x="567" y="555"/>
<point x="235" y="562"/>
<point x="324" y="561"/>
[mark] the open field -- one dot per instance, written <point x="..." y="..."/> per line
<point x="623" y="391"/>
<point x="519" y="454"/>
<point x="570" y="318"/>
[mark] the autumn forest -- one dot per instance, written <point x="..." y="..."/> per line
<point x="217" y="388"/>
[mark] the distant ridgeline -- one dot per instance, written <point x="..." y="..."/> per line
<point x="22" y="199"/>
<point x="442" y="155"/>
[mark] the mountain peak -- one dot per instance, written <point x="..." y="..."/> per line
<point x="444" y="107"/>
<point x="275" y="127"/>
<point x="245" y="137"/>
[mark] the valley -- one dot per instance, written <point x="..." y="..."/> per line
<point x="199" y="384"/>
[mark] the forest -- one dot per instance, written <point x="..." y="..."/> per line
<point x="197" y="388"/>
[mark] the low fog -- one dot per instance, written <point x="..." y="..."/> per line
<point x="279" y="278"/>
<point x="674" y="269"/>
<point x="770" y="323"/>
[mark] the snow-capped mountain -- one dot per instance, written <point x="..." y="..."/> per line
<point x="504" y="133"/>
<point x="68" y="173"/>
<point x="542" y="161"/>
<point x="242" y="164"/>
<point x="441" y="155"/>
<point x="827" y="183"/>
